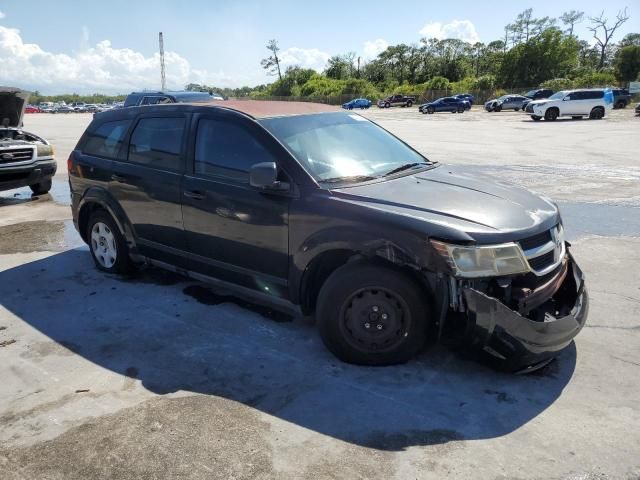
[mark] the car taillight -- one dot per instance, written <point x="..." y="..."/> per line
<point x="70" y="166"/>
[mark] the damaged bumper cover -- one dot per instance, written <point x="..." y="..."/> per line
<point x="517" y="340"/>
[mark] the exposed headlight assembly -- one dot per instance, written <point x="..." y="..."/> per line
<point x="483" y="261"/>
<point x="45" y="151"/>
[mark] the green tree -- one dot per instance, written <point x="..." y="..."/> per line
<point x="570" y="19"/>
<point x="272" y="63"/>
<point x="627" y="63"/>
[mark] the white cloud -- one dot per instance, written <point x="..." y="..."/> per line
<point x="97" y="68"/>
<point x="372" y="48"/>
<point x="304" y="57"/>
<point x="461" y="29"/>
<point x="2" y="14"/>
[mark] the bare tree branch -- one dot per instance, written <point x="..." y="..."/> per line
<point x="603" y="32"/>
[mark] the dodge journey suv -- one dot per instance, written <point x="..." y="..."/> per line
<point x="314" y="210"/>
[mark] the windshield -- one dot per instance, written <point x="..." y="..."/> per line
<point x="503" y="97"/>
<point x="558" y="95"/>
<point x="334" y="146"/>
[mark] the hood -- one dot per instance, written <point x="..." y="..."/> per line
<point x="12" y="104"/>
<point x="450" y="197"/>
<point x="538" y="102"/>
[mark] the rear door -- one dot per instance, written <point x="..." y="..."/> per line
<point x="235" y="232"/>
<point x="147" y="183"/>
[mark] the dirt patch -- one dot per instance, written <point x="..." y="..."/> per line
<point x="219" y="439"/>
<point x="38" y="236"/>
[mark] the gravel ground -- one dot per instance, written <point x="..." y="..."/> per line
<point x="157" y="377"/>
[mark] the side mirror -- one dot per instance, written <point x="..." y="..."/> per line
<point x="264" y="176"/>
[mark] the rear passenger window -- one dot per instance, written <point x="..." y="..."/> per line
<point x="227" y="149"/>
<point x="156" y="142"/>
<point x="106" y="140"/>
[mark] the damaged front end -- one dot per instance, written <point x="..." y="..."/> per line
<point x="521" y="321"/>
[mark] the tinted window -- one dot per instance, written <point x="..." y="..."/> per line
<point x="576" y="96"/>
<point x="156" y="142"/>
<point x="155" y="100"/>
<point x="228" y="149"/>
<point x="106" y="140"/>
<point x="593" y="95"/>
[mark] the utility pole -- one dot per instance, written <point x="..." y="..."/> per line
<point x="162" y="75"/>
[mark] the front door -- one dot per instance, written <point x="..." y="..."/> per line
<point x="147" y="184"/>
<point x="234" y="232"/>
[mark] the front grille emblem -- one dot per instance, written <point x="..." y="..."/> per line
<point x="557" y="237"/>
<point x="7" y="156"/>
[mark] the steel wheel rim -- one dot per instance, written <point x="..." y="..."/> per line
<point x="103" y="245"/>
<point x="375" y="320"/>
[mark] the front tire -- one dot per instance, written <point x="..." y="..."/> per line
<point x="41" y="188"/>
<point x="107" y="245"/>
<point x="430" y="110"/>
<point x="387" y="105"/>
<point x="551" y="114"/>
<point x="372" y="315"/>
<point x="497" y="108"/>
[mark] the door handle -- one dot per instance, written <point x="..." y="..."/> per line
<point x="118" y="178"/>
<point x="194" y="194"/>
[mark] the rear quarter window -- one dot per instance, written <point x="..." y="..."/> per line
<point x="106" y="139"/>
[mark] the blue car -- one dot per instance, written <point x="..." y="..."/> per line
<point x="445" y="104"/>
<point x="361" y="103"/>
<point x="465" y="96"/>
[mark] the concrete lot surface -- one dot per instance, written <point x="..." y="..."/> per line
<point x="158" y="377"/>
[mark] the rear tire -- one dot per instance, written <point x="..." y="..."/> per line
<point x="409" y="104"/>
<point x="621" y="105"/>
<point x="372" y="315"/>
<point x="41" y="188"/>
<point x="460" y="109"/>
<point x="387" y="105"/>
<point x="536" y="118"/>
<point x="596" y="113"/>
<point x="497" y="108"/>
<point x="551" y="114"/>
<point x="107" y="245"/>
<point x="516" y="109"/>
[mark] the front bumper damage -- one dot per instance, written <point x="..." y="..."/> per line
<point x="543" y="323"/>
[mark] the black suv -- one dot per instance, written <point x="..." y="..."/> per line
<point x="310" y="209"/>
<point x="621" y="97"/>
<point x="537" y="94"/>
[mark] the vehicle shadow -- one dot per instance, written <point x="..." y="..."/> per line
<point x="151" y="328"/>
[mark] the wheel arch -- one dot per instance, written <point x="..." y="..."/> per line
<point x="100" y="199"/>
<point x="322" y="265"/>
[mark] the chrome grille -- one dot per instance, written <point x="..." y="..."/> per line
<point x="16" y="155"/>
<point x="544" y="251"/>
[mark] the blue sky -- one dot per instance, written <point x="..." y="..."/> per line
<point x="112" y="45"/>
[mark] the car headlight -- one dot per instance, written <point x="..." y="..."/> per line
<point x="540" y="104"/>
<point x="483" y="261"/>
<point x="45" y="151"/>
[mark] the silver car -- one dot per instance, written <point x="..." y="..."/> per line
<point x="506" y="102"/>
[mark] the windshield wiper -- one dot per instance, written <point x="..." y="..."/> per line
<point x="406" y="166"/>
<point x="353" y="178"/>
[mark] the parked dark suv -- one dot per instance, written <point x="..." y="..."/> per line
<point x="312" y="209"/>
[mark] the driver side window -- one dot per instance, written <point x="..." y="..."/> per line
<point x="225" y="148"/>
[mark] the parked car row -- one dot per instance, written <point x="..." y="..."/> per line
<point x="48" y="107"/>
